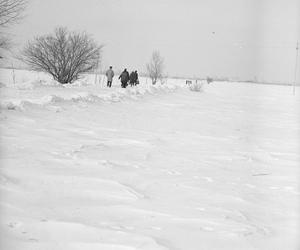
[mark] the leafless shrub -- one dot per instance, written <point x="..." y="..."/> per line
<point x="155" y="67"/>
<point x="197" y="86"/>
<point x="65" y="55"/>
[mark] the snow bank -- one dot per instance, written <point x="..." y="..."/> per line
<point x="22" y="89"/>
<point x="116" y="95"/>
<point x="29" y="85"/>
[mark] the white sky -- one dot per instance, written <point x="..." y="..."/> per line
<point x="234" y="38"/>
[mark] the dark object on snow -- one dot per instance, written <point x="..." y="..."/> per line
<point x="132" y="78"/>
<point x="188" y="82"/>
<point x="136" y="82"/>
<point x="209" y="80"/>
<point x="124" y="78"/>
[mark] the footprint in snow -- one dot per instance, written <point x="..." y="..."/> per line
<point x="32" y="239"/>
<point x="250" y="185"/>
<point x="124" y="166"/>
<point x="208" y="179"/>
<point x="201" y="209"/>
<point x="122" y="228"/>
<point x="209" y="229"/>
<point x="172" y="172"/>
<point x="14" y="224"/>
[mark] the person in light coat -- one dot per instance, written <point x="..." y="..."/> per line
<point x="110" y="75"/>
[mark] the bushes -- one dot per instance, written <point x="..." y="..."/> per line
<point x="209" y="80"/>
<point x="65" y="55"/>
<point x="155" y="67"/>
<point x="197" y="86"/>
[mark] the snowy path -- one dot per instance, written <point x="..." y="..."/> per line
<point x="176" y="171"/>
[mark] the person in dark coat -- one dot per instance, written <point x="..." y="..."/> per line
<point x="132" y="78"/>
<point x="124" y="78"/>
<point x="136" y="82"/>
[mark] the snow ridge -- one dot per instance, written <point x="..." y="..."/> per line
<point x="115" y="96"/>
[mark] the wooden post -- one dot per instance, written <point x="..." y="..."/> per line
<point x="13" y="73"/>
<point x="296" y="69"/>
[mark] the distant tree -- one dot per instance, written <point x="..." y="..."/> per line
<point x="155" y="67"/>
<point x="65" y="55"/>
<point x="11" y="11"/>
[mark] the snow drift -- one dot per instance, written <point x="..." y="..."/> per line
<point x="115" y="96"/>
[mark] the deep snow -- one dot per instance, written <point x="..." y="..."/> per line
<point x="84" y="167"/>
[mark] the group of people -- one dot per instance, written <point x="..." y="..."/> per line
<point x="125" y="77"/>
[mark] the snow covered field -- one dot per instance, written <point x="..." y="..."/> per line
<point x="84" y="167"/>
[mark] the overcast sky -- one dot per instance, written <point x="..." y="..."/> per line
<point x="234" y="38"/>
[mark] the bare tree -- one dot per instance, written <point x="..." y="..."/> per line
<point x="11" y="11"/>
<point x="65" y="55"/>
<point x="155" y="67"/>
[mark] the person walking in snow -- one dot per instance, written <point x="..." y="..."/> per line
<point x="136" y="82"/>
<point x="110" y="75"/>
<point x="124" y="78"/>
<point x="132" y="78"/>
